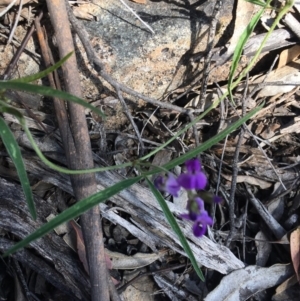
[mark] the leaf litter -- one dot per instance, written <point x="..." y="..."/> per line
<point x="263" y="209"/>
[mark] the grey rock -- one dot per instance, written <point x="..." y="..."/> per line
<point x="153" y="64"/>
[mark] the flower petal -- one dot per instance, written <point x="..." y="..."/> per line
<point x="193" y="165"/>
<point x="200" y="180"/>
<point x="200" y="203"/>
<point x="172" y="185"/>
<point x="205" y="218"/>
<point x="186" y="181"/>
<point x="185" y="216"/>
<point x="199" y="229"/>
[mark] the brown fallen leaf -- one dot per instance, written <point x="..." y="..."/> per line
<point x="250" y="180"/>
<point x="288" y="73"/>
<point x="124" y="262"/>
<point x="295" y="250"/>
<point x="81" y="249"/>
<point x="80" y="246"/>
<point x="288" y="55"/>
<point x="140" y="1"/>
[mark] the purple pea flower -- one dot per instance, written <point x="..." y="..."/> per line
<point x="168" y="184"/>
<point x="198" y="215"/>
<point x="194" y="207"/>
<point x="194" y="178"/>
<point x="200" y="225"/>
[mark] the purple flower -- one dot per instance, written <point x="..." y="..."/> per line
<point x="200" y="225"/>
<point x="194" y="208"/>
<point x="198" y="215"/>
<point x="168" y="184"/>
<point x="194" y="178"/>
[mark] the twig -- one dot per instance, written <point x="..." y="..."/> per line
<point x="126" y="150"/>
<point x="195" y="131"/>
<point x="8" y="7"/>
<point x="171" y="268"/>
<point x="82" y="158"/>
<point x="127" y="113"/>
<point x="16" y="57"/>
<point x="152" y="114"/>
<point x="134" y="137"/>
<point x="235" y="171"/>
<point x="136" y="15"/>
<point x="256" y="139"/>
<point x="16" y="43"/>
<point x="244" y="230"/>
<point x="292" y="23"/>
<point x="19" y="274"/>
<point x="16" y="23"/>
<point x="270" y="221"/>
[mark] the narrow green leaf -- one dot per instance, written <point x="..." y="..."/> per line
<point x="14" y="152"/>
<point x="72" y="212"/>
<point x="281" y="12"/>
<point x="47" y="91"/>
<point x="64" y="169"/>
<point x="33" y="77"/>
<point x="173" y="223"/>
<point x="240" y="46"/>
<point x="4" y="108"/>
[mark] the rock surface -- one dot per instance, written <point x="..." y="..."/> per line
<point x="153" y="64"/>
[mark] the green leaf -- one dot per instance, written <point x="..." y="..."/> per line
<point x="281" y="12"/>
<point x="240" y="46"/>
<point x="60" y="168"/>
<point x="47" y="91"/>
<point x="4" y="108"/>
<point x="14" y="152"/>
<point x="173" y="223"/>
<point x="31" y="78"/>
<point x="72" y="212"/>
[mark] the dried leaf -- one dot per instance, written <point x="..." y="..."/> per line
<point x="263" y="247"/>
<point x="295" y="248"/>
<point x="124" y="262"/>
<point x="83" y="14"/>
<point x="61" y="229"/>
<point x="140" y="1"/>
<point x="141" y="289"/>
<point x="80" y="246"/>
<point x="286" y="284"/>
<point x="288" y="55"/>
<point x="250" y="180"/>
<point x="288" y="73"/>
<point x="81" y="249"/>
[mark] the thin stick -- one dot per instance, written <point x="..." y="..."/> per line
<point x="235" y="172"/>
<point x="137" y="16"/>
<point x="16" y="23"/>
<point x="127" y="113"/>
<point x="8" y="7"/>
